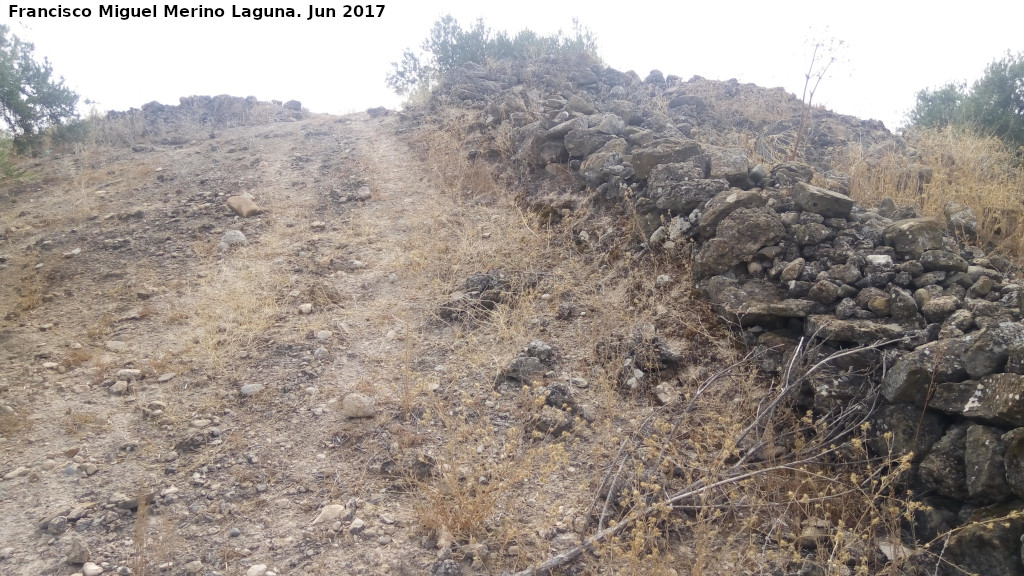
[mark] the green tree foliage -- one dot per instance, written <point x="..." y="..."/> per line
<point x="30" y="98"/>
<point x="449" y="45"/>
<point x="994" y="104"/>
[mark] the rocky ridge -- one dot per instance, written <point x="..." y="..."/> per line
<point x="932" y="321"/>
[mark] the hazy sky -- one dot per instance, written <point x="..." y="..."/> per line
<point x="892" y="49"/>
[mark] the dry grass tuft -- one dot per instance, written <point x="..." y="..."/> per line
<point x="943" y="165"/>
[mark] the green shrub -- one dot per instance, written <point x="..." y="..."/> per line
<point x="30" y="98"/>
<point x="994" y="105"/>
<point x="449" y="46"/>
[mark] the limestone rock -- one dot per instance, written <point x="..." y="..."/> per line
<point x="721" y="206"/>
<point x="821" y="201"/>
<point x="680" y="187"/>
<point x="357" y="405"/>
<point x="914" y="236"/>
<point x="664" y="151"/>
<point x="243" y="206"/>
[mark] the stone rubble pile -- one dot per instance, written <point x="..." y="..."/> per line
<point x="937" y="318"/>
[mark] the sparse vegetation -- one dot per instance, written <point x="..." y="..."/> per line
<point x="30" y="98"/>
<point x="449" y="45"/>
<point x="992" y="106"/>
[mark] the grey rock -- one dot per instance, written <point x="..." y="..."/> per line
<point x="739" y="237"/>
<point x="913" y="430"/>
<point x="1013" y="460"/>
<point x="821" y="201"/>
<point x="824" y="291"/>
<point x="811" y="233"/>
<point x="581" y="142"/>
<point x="943" y="470"/>
<point x="857" y="330"/>
<point x="250" y="389"/>
<point x="522" y="370"/>
<point x="995" y="399"/>
<point x="730" y="164"/>
<point x="664" y="151"/>
<point x="78" y="550"/>
<point x="991" y="349"/>
<point x="913" y="375"/>
<point x="680" y="187"/>
<point x="609" y="124"/>
<point x="579" y="105"/>
<point x="942" y="260"/>
<point x="938" y="309"/>
<point x="754" y="302"/>
<point x="982" y="546"/>
<point x="984" y="462"/>
<point x="232" y="238"/>
<point x="357" y="405"/>
<point x="914" y="236"/>
<point x="792" y="270"/>
<point x="721" y="206"/>
<point x="961" y="220"/>
<point x="902" y="305"/>
<point x="605" y="163"/>
<point x="789" y="173"/>
<point x="293" y="105"/>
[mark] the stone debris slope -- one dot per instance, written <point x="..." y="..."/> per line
<point x="790" y="263"/>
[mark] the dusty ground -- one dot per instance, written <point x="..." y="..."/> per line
<point x="110" y="261"/>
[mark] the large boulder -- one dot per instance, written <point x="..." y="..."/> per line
<point x="739" y="236"/>
<point x="821" y="201"/>
<point x="721" y="206"/>
<point x="663" y="151"/>
<point x="995" y="399"/>
<point x="681" y="187"/>
<point x="937" y="362"/>
<point x="605" y="164"/>
<point x="914" y="236"/>
<point x="753" y="303"/>
<point x="730" y="164"/>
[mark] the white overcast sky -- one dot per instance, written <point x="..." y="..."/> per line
<point x="892" y="48"/>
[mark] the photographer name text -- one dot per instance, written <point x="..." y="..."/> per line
<point x="200" y="11"/>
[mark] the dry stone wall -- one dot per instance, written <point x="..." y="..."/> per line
<point x="798" y="267"/>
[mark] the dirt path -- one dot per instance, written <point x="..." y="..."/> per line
<point x="167" y="301"/>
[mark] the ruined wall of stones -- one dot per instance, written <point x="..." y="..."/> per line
<point x="938" y="319"/>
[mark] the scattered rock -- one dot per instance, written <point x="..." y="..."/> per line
<point x="357" y="405"/>
<point x="243" y="206"/>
